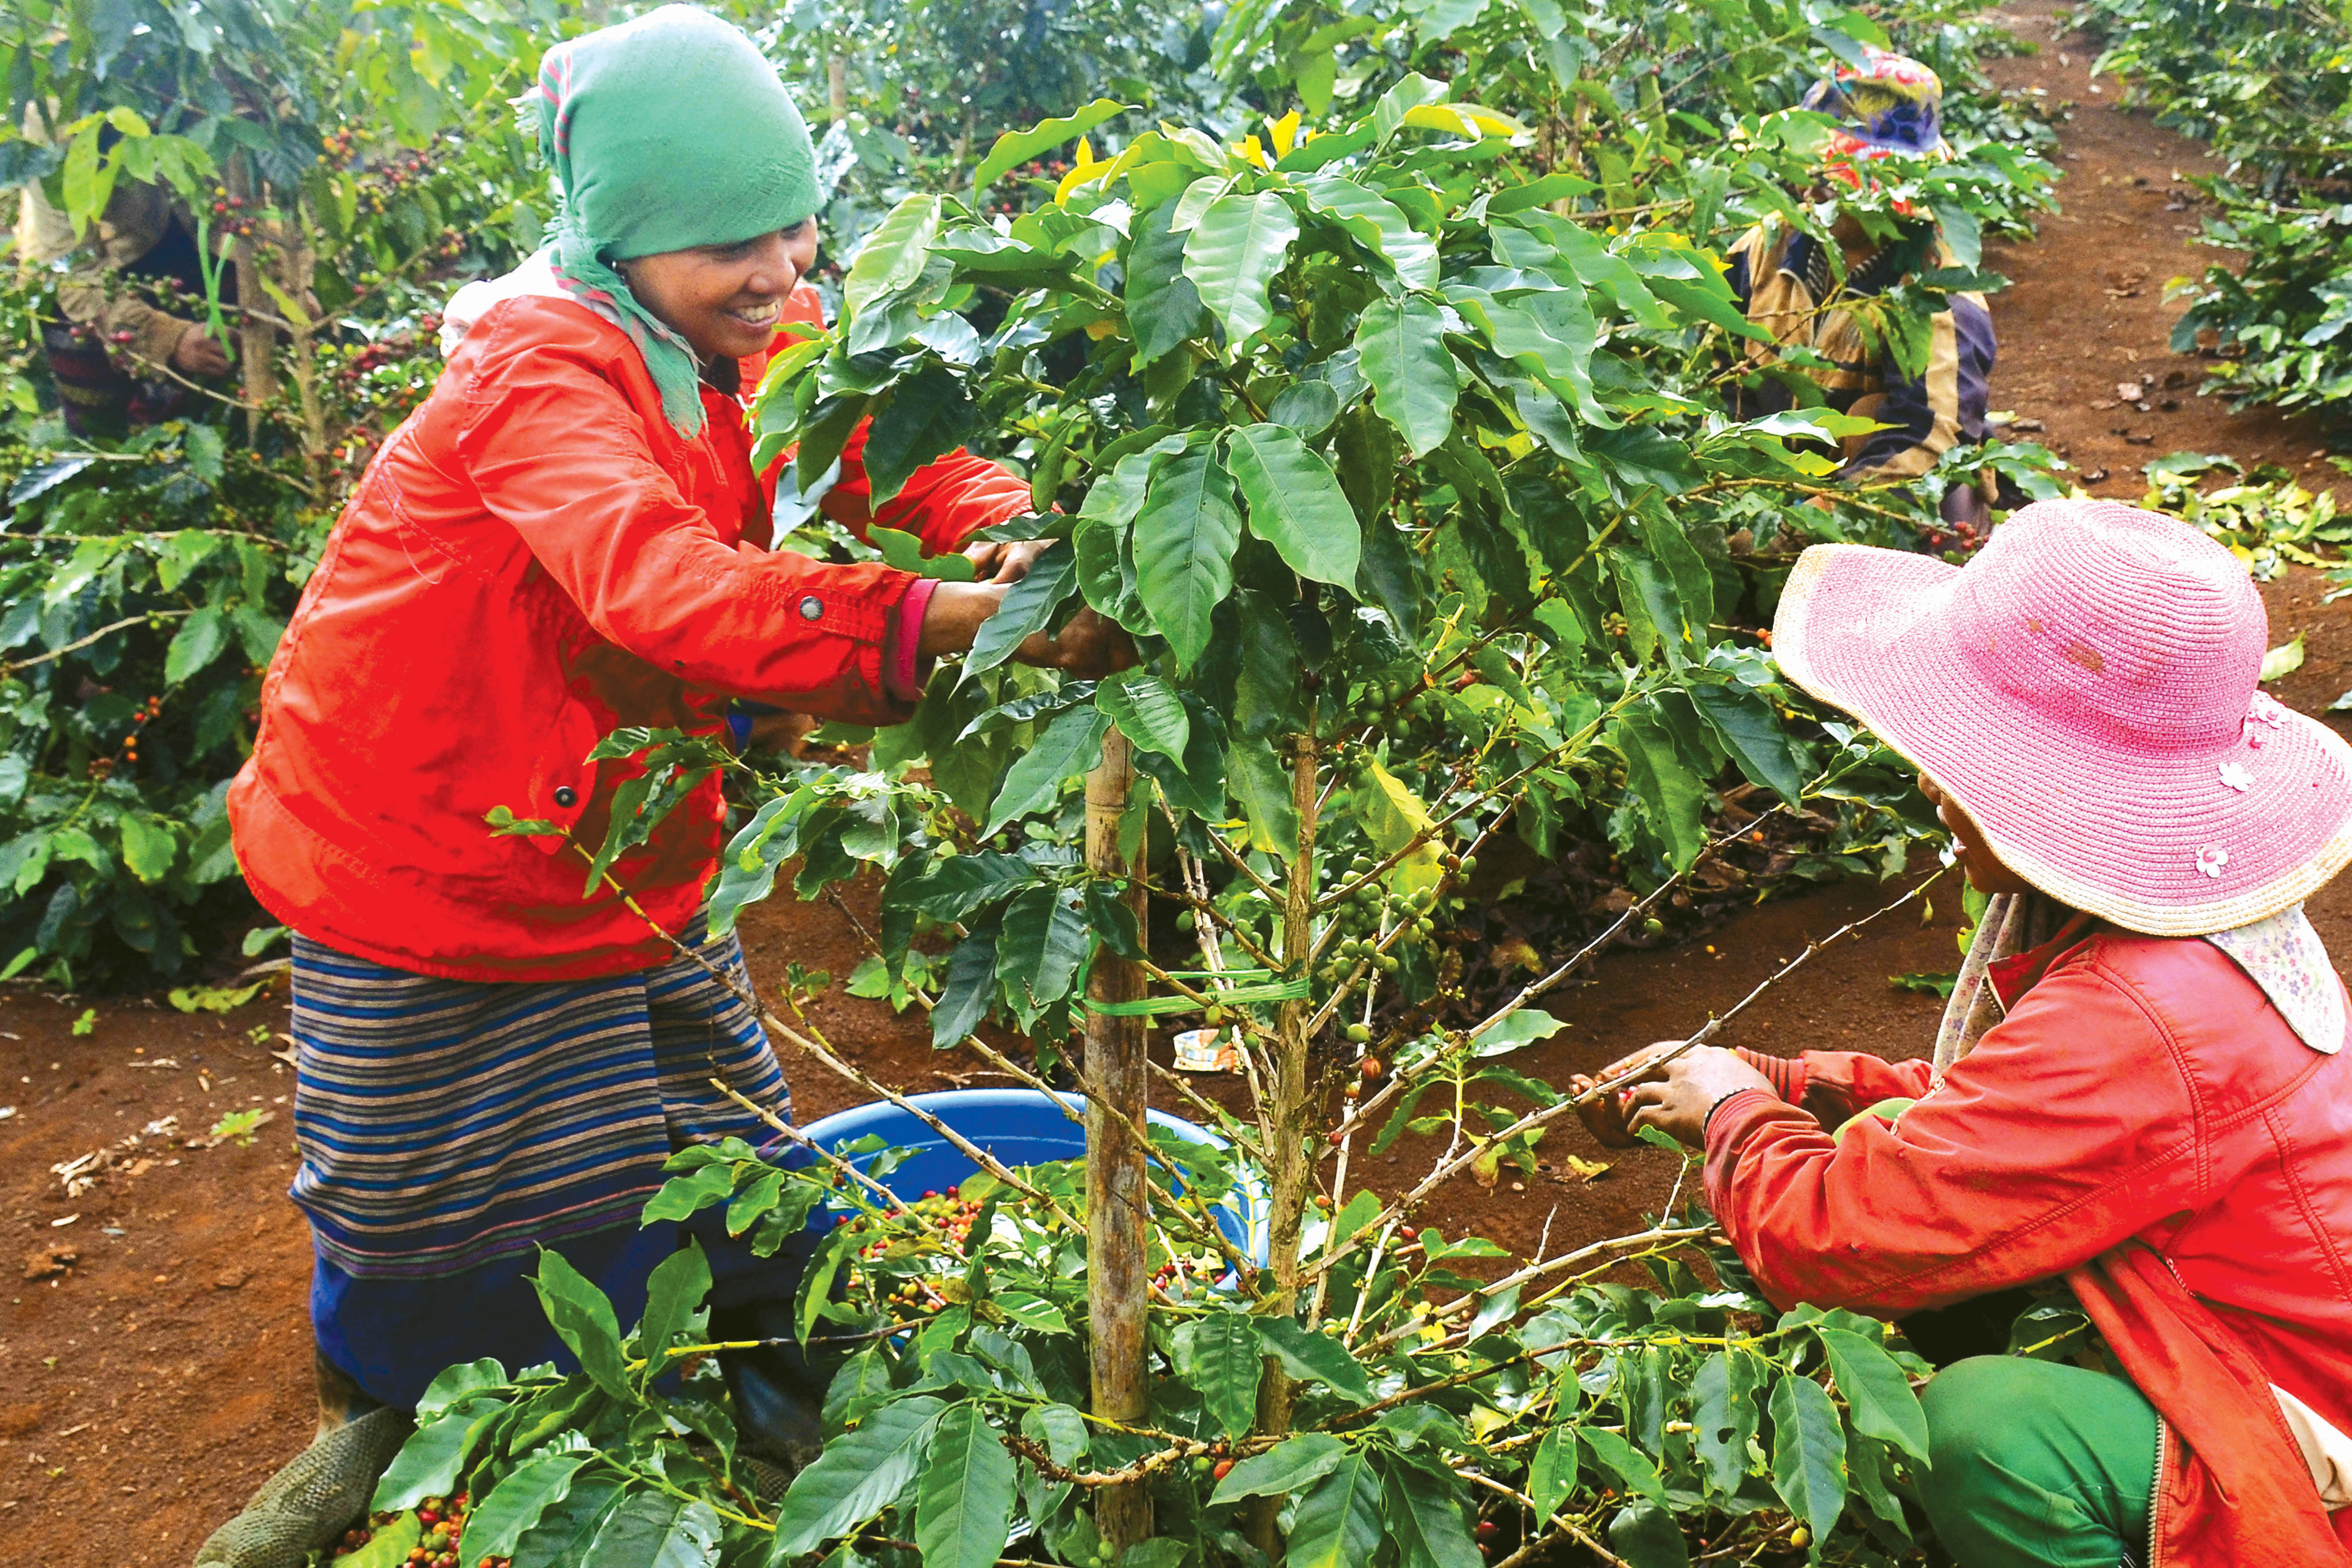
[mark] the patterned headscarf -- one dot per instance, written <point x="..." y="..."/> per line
<point x="1889" y="102"/>
<point x="661" y="134"/>
<point x="1892" y="106"/>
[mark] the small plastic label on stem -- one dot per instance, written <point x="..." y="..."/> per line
<point x="1207" y="1050"/>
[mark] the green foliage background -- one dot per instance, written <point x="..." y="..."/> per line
<point x="2270" y="88"/>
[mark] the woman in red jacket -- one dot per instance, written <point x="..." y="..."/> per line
<point x="566" y="538"/>
<point x="2144" y="1097"/>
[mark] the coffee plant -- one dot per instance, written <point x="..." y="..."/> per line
<point x="2270" y="88"/>
<point x="1401" y="460"/>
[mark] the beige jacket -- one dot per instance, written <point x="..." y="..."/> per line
<point x="135" y="219"/>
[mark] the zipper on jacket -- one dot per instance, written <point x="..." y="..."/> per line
<point x="2156" y="1493"/>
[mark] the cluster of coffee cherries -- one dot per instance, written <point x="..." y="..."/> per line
<point x="381" y="184"/>
<point x="234" y="214"/>
<point x="146" y="712"/>
<point x="441" y="1524"/>
<point x="1198" y="1268"/>
<point x="943" y="1220"/>
<point x="1214" y="1466"/>
<point x="1962" y="538"/>
<point x="1362" y="910"/>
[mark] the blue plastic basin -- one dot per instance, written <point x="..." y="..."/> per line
<point x="1019" y="1127"/>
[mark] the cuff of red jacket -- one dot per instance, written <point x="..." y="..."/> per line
<point x="904" y="669"/>
<point x="1786" y="1073"/>
<point x="1734" y="1123"/>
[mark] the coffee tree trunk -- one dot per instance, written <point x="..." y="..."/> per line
<point x="1118" y="1196"/>
<point x="836" y="88"/>
<point x="257" y="339"/>
<point x="1292" y="1119"/>
<point x="297" y="261"/>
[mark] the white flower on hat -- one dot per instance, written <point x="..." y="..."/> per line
<point x="2266" y="711"/>
<point x="2236" y="777"/>
<point x="2212" y="858"/>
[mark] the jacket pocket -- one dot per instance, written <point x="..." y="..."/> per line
<point x="561" y="783"/>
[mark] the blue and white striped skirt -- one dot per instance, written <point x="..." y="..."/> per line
<point x="448" y="1129"/>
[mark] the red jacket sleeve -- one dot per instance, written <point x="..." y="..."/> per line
<point x="2068" y="1128"/>
<point x="944" y="503"/>
<point x="557" y="451"/>
<point x="1845" y="1081"/>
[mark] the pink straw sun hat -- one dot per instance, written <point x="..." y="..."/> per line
<point x="2086" y="690"/>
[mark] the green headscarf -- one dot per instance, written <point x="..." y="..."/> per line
<point x="661" y="134"/>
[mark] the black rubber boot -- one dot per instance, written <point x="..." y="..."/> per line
<point x="779" y="1389"/>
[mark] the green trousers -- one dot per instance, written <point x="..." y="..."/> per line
<point x="2039" y="1465"/>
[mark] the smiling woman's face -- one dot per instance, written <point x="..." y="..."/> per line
<point x="725" y="299"/>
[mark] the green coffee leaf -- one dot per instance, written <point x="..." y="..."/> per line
<point x="1287" y="1467"/>
<point x="1414" y="379"/>
<point x="519" y="1501"/>
<point x="1723" y="1418"/>
<point x="196" y="644"/>
<point x="1163" y="306"/>
<point x="1039" y="946"/>
<point x="1552" y="1476"/>
<point x="1378" y="223"/>
<point x="1755" y="737"/>
<point x="1296" y="503"/>
<point x="970" y="982"/>
<point x="1670" y="796"/>
<point x="1185" y="537"/>
<point x="1232" y="257"/>
<point x="655" y="1529"/>
<point x="673" y="1290"/>
<point x="1070" y="745"/>
<point x="454" y="1384"/>
<point x="1877" y="1391"/>
<point x="1028" y="608"/>
<point x="1426" y="1520"/>
<point x="1338" y="1524"/>
<point x="1807" y="1452"/>
<point x="927" y="415"/>
<point x="426" y="1465"/>
<point x="1646" y="1535"/>
<point x="567" y="1530"/>
<point x="1634" y="1469"/>
<point x="963" y="1508"/>
<point x="149" y="850"/>
<point x="1520" y="1026"/>
<point x="1017" y="147"/>
<point x="583" y="1317"/>
<point x="1219" y="1354"/>
<point x="1312" y="1356"/>
<point x="857" y="1476"/>
<point x="690" y="1193"/>
<point x="1146" y="712"/>
<point x="893" y="255"/>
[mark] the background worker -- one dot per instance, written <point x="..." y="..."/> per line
<point x="126" y="308"/>
<point x="2148" y="1105"/>
<point x="1788" y="283"/>
<point x="567" y="537"/>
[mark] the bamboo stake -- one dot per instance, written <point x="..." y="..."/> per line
<point x="1117" y="1191"/>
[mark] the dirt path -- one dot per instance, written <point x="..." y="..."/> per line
<point x="2085" y="306"/>
<point x="148" y="1385"/>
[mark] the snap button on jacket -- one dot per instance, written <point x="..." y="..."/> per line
<point x="535" y="558"/>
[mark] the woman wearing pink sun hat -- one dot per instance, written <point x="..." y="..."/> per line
<point x="2139" y="1087"/>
